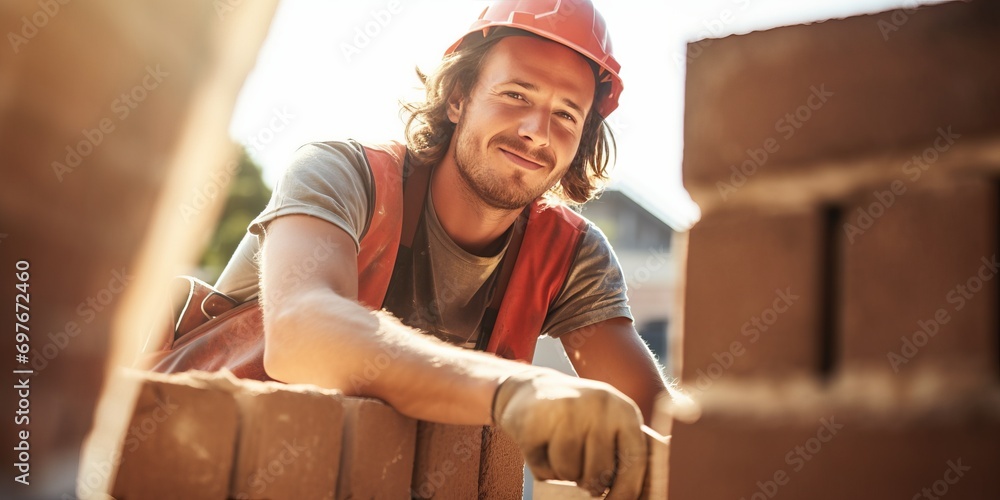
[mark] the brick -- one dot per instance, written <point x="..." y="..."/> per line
<point x="743" y="91"/>
<point x="501" y="467"/>
<point x="377" y="451"/>
<point x="732" y="457"/>
<point x="658" y="474"/>
<point x="752" y="296"/>
<point x="111" y="194"/>
<point x="917" y="282"/>
<point x="447" y="459"/>
<point x="290" y="441"/>
<point x="165" y="437"/>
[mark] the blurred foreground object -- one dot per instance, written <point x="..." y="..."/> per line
<point x="113" y="118"/>
<point x="839" y="319"/>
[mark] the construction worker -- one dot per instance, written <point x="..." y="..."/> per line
<point x="463" y="235"/>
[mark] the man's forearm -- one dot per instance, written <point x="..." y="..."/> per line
<point x="556" y="420"/>
<point x="328" y="340"/>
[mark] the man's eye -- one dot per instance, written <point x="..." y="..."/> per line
<point x="568" y="116"/>
<point x="515" y="95"/>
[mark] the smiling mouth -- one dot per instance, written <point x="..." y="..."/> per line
<point x="521" y="161"/>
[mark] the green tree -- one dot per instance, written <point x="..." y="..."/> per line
<point x="248" y="195"/>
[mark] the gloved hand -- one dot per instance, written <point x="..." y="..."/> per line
<point x="574" y="429"/>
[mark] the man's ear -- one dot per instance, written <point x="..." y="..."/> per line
<point x="455" y="102"/>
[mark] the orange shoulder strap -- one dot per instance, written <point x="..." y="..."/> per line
<point x="552" y="237"/>
<point x="380" y="241"/>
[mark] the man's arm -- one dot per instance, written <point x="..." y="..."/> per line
<point x="612" y="351"/>
<point x="316" y="332"/>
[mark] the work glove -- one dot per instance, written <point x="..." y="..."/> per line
<point x="574" y="429"/>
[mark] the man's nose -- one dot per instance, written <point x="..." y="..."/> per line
<point x="535" y="127"/>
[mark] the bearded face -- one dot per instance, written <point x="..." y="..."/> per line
<point x="519" y="128"/>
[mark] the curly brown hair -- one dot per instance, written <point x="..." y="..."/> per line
<point x="429" y="131"/>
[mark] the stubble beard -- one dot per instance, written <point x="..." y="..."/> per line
<point x="493" y="191"/>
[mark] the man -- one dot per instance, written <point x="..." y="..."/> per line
<point x="513" y="119"/>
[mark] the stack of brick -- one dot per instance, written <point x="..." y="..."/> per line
<point x="839" y="311"/>
<point x="168" y="437"/>
<point x="114" y="117"/>
<point x="460" y="461"/>
<point x="198" y="435"/>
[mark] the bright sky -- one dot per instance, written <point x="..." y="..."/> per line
<point x="320" y="76"/>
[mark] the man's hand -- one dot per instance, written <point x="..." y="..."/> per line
<point x="574" y="429"/>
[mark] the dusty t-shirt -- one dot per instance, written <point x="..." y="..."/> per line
<point x="450" y="288"/>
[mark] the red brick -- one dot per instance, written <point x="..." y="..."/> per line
<point x="936" y="70"/>
<point x="739" y="457"/>
<point x="739" y="264"/>
<point x="164" y="437"/>
<point x="289" y="444"/>
<point x="501" y="468"/>
<point x="125" y="190"/>
<point x="378" y="448"/>
<point x="903" y="270"/>
<point x="658" y="474"/>
<point x="447" y="461"/>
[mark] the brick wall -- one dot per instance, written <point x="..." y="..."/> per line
<point x="838" y="320"/>
<point x="199" y="435"/>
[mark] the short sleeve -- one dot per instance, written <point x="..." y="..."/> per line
<point x="594" y="291"/>
<point x="330" y="181"/>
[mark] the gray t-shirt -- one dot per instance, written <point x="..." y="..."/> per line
<point x="450" y="287"/>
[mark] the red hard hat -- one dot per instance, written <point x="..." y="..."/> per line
<point x="573" y="23"/>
